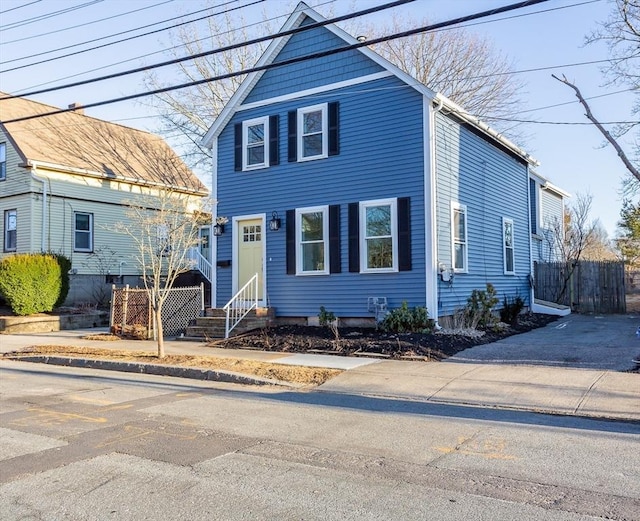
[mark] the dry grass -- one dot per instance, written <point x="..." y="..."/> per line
<point x="286" y="373"/>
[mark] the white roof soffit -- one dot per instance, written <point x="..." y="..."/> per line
<point x="548" y="185"/>
<point x="301" y="11"/>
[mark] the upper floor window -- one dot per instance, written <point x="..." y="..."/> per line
<point x="509" y="247"/>
<point x="378" y="236"/>
<point x="459" y="245"/>
<point x="314" y="132"/>
<point x="10" y="230"/>
<point x="256" y="143"/>
<point x="83" y="232"/>
<point x="312" y="237"/>
<point x="3" y="161"/>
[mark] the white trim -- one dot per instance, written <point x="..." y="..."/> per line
<point x="234" y="253"/>
<point x="323" y="109"/>
<point x="430" y="215"/>
<point x="506" y="220"/>
<point x="363" y="205"/>
<point x="325" y="239"/>
<point x="214" y="215"/>
<point x="7" y="229"/>
<point x="455" y="205"/>
<point x="264" y="121"/>
<point x="316" y="90"/>
<point x="89" y="231"/>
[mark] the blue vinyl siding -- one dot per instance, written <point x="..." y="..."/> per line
<point x="309" y="74"/>
<point x="381" y="156"/>
<point x="492" y="184"/>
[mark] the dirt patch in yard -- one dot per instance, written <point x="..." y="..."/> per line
<point x="362" y="341"/>
<point x="273" y="371"/>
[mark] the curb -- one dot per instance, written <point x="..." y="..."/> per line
<point x="154" y="369"/>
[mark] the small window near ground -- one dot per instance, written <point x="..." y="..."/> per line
<point x="378" y="236"/>
<point x="3" y="161"/>
<point x="10" y="230"/>
<point x="312" y="227"/>
<point x="459" y="245"/>
<point x="508" y="241"/>
<point x="83" y="232"/>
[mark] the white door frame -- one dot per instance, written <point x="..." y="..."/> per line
<point x="234" y="261"/>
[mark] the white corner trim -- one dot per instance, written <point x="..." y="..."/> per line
<point x="430" y="192"/>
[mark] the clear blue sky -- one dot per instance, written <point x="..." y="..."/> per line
<point x="571" y="156"/>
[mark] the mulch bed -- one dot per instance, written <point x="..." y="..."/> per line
<point x="360" y="341"/>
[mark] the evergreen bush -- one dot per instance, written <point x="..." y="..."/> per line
<point x="405" y="320"/>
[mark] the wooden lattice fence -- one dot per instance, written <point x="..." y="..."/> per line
<point x="585" y="286"/>
<point x="131" y="313"/>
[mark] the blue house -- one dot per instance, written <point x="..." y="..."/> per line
<point x="345" y="182"/>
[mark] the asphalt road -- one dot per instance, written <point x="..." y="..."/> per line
<point x="92" y="445"/>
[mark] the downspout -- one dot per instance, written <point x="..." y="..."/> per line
<point x="430" y="190"/>
<point x="45" y="219"/>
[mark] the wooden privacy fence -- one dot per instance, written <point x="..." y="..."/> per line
<point x="131" y="313"/>
<point x="585" y="286"/>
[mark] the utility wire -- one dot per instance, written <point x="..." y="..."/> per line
<point x="299" y="59"/>
<point x="84" y="24"/>
<point x="20" y="7"/>
<point x="121" y="33"/>
<point x="39" y="18"/>
<point x="218" y="50"/>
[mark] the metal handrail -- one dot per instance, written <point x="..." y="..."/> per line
<point x="202" y="263"/>
<point x="241" y="304"/>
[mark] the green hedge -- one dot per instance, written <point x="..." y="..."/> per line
<point x="65" y="266"/>
<point x="30" y="283"/>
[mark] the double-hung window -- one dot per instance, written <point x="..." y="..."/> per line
<point x="313" y="128"/>
<point x="163" y="239"/>
<point x="312" y="237"/>
<point x="83" y="232"/>
<point x="459" y="244"/>
<point x="378" y="236"/>
<point x="10" y="230"/>
<point x="508" y="246"/>
<point x="255" y="141"/>
<point x="3" y="161"/>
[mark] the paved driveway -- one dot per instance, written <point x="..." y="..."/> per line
<point x="583" y="341"/>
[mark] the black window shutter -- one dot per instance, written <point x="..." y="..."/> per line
<point x="274" y="152"/>
<point x="404" y="234"/>
<point x="334" y="128"/>
<point x="291" y="242"/>
<point x="293" y="136"/>
<point x="238" y="147"/>
<point x="334" y="239"/>
<point x="354" y="238"/>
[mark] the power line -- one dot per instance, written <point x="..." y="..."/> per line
<point x="290" y="61"/>
<point x="220" y="49"/>
<point x="84" y="24"/>
<point x="19" y="7"/>
<point x="512" y="120"/>
<point x="121" y="33"/>
<point x="39" y="18"/>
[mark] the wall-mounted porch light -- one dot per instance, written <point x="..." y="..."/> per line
<point x="274" y="223"/>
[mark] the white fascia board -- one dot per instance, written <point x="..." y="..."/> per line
<point x="457" y="110"/>
<point x="553" y="188"/>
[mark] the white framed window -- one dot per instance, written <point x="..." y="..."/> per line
<point x="312" y="135"/>
<point x="255" y="143"/>
<point x="163" y="239"/>
<point x="378" y="236"/>
<point x="459" y="242"/>
<point x="10" y="230"/>
<point x="312" y="239"/>
<point x="83" y="232"/>
<point x="3" y="161"/>
<point x="508" y="246"/>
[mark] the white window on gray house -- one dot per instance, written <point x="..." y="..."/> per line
<point x="3" y="161"/>
<point x="378" y="236"/>
<point x="255" y="140"/>
<point x="313" y="128"/>
<point x="312" y="227"/>
<point x="509" y="248"/>
<point x="83" y="232"/>
<point x="459" y="244"/>
<point x="163" y="239"/>
<point x="10" y="230"/>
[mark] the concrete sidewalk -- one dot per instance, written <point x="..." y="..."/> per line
<point x="556" y="390"/>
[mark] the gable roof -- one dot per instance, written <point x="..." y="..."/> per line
<point x="73" y="142"/>
<point x="295" y="20"/>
